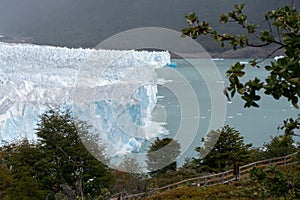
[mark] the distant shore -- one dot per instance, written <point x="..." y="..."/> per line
<point x="247" y="52"/>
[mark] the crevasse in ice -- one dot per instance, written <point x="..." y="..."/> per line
<point x="115" y="91"/>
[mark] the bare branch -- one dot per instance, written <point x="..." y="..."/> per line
<point x="270" y="54"/>
<point x="279" y="35"/>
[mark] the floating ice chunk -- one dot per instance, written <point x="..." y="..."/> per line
<point x="215" y="59"/>
<point x="278" y="57"/>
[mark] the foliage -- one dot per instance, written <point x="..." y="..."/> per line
<point x="6" y="178"/>
<point x="230" y="191"/>
<point x="171" y="177"/>
<point x="256" y="154"/>
<point x="57" y="166"/>
<point x="248" y="189"/>
<point x="294" y="173"/>
<point x="188" y="169"/>
<point x="228" y="149"/>
<point x="289" y="125"/>
<point x="279" y="146"/>
<point x="283" y="79"/>
<point x="272" y="182"/>
<point x="130" y="178"/>
<point x="21" y="159"/>
<point x="162" y="156"/>
<point x="67" y="166"/>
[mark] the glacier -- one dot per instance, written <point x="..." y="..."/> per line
<point x="113" y="90"/>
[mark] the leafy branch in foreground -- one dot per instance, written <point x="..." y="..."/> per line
<point x="289" y="126"/>
<point x="283" y="31"/>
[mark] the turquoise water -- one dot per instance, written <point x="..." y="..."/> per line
<point x="256" y="125"/>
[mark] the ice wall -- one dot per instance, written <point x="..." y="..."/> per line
<point x="114" y="90"/>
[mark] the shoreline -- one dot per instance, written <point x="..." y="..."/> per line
<point x="243" y="53"/>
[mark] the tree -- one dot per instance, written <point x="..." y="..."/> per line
<point x="188" y="169"/>
<point x="162" y="156"/>
<point x="65" y="165"/>
<point x="279" y="146"/>
<point x="273" y="183"/>
<point x="229" y="149"/>
<point x="20" y="158"/>
<point x="283" y="79"/>
<point x="130" y="178"/>
<point x="6" y="178"/>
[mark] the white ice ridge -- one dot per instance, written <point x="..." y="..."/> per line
<point x="117" y="85"/>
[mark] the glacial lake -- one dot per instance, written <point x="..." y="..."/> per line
<point x="256" y="125"/>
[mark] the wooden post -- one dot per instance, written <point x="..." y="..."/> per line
<point x="223" y="178"/>
<point x="239" y="174"/>
<point x="285" y="160"/>
<point x="236" y="170"/>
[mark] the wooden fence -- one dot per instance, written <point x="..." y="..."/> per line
<point x="279" y="161"/>
<point x="220" y="178"/>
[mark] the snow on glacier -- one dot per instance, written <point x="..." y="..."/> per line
<point x="115" y="91"/>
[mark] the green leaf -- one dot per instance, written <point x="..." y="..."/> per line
<point x="233" y="93"/>
<point x="268" y="68"/>
<point x="223" y="18"/>
<point x="255" y="105"/>
<point x="295" y="80"/>
<point x="256" y="98"/>
<point x="295" y="102"/>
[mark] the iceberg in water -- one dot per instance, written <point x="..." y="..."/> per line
<point x="115" y="91"/>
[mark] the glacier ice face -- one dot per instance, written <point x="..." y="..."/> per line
<point x="115" y="91"/>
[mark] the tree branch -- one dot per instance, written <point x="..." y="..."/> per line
<point x="270" y="54"/>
